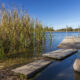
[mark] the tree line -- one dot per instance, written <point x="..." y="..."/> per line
<point x="68" y="29"/>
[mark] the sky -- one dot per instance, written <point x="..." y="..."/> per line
<point x="54" y="13"/>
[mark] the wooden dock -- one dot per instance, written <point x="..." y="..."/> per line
<point x="70" y="42"/>
<point x="31" y="69"/>
<point x="60" y="54"/>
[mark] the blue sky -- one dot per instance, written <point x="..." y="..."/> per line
<point x="56" y="13"/>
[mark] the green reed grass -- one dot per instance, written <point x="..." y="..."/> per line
<point x="19" y="31"/>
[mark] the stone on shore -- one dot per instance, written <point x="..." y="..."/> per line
<point x="76" y="65"/>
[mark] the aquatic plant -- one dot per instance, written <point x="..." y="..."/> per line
<point x="19" y="31"/>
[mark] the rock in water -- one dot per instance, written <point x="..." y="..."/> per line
<point x="76" y="65"/>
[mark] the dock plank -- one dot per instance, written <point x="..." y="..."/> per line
<point x="70" y="42"/>
<point x="31" y="69"/>
<point x="60" y="54"/>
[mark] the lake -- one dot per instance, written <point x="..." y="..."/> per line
<point x="58" y="70"/>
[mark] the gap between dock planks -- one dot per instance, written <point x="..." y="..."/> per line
<point x="60" y="54"/>
<point x="31" y="69"/>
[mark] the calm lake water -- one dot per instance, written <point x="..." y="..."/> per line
<point x="58" y="70"/>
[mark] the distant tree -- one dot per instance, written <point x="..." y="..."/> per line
<point x="64" y="29"/>
<point x="69" y="29"/>
<point x="48" y="28"/>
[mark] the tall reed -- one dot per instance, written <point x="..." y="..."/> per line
<point x="19" y="31"/>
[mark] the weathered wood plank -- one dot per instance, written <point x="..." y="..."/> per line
<point x="70" y="42"/>
<point x="31" y="69"/>
<point x="60" y="54"/>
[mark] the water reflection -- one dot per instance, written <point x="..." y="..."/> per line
<point x="57" y="70"/>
